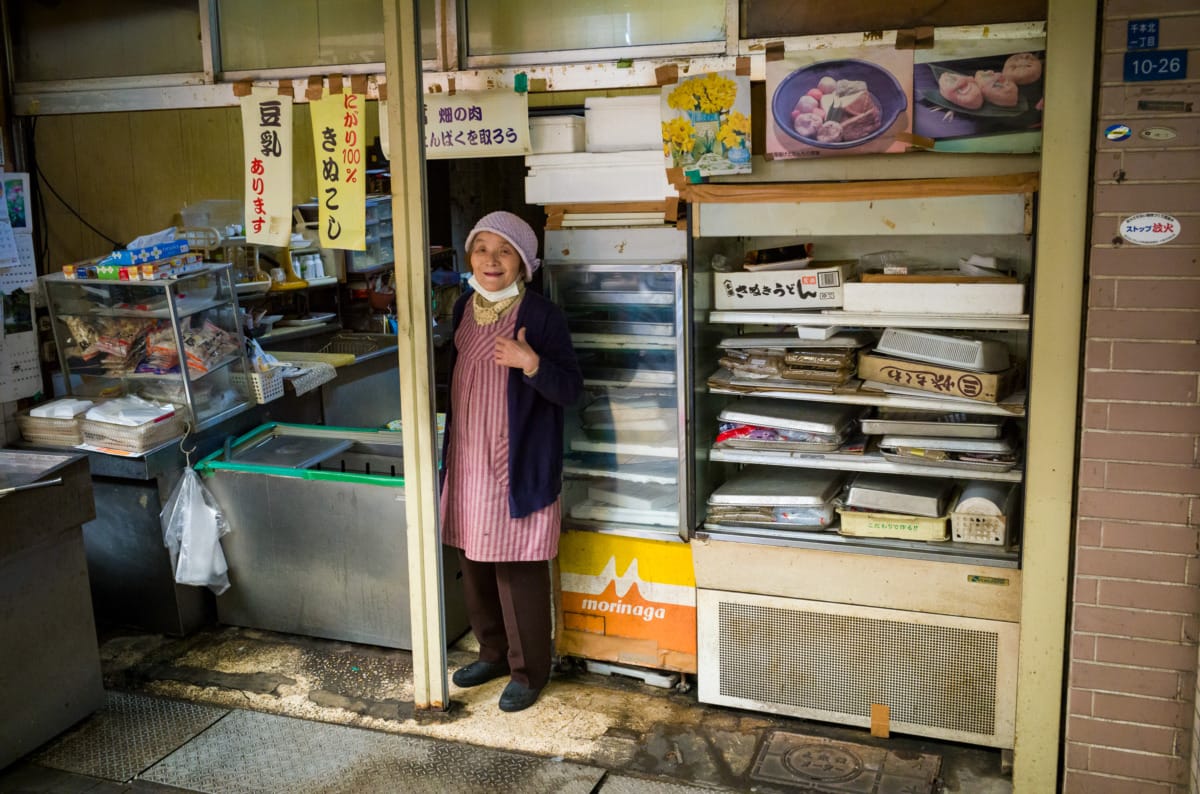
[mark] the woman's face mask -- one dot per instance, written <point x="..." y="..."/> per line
<point x="495" y="263"/>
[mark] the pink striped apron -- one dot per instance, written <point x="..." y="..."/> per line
<point x="474" y="500"/>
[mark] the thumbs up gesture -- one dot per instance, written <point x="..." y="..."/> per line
<point x="517" y="353"/>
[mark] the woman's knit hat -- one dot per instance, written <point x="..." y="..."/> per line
<point x="516" y="231"/>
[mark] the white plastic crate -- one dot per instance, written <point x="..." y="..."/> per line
<point x="974" y="528"/>
<point x="556" y="134"/>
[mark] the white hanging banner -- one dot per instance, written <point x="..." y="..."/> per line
<point x="476" y="124"/>
<point x="267" y="143"/>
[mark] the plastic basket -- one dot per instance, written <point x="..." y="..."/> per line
<point x="49" y="432"/>
<point x="136" y="438"/>
<point x="974" y="528"/>
<point x="263" y="387"/>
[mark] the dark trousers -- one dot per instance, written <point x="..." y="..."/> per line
<point x="508" y="605"/>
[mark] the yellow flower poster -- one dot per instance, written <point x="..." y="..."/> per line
<point x="706" y="124"/>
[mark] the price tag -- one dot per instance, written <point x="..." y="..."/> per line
<point x="1141" y="34"/>
<point x="1149" y="65"/>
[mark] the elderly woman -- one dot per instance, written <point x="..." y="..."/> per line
<point x="513" y="370"/>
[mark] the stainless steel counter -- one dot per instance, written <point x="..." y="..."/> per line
<point x="49" y="659"/>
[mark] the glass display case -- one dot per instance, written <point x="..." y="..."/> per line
<point x="625" y="457"/>
<point x="175" y="340"/>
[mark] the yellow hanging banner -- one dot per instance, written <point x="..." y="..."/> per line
<point x="337" y="121"/>
<point x="267" y="144"/>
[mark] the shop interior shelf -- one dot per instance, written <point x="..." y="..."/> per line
<point x="830" y="540"/>
<point x="867" y="462"/>
<point x="621" y="342"/>
<point x="617" y="448"/>
<point x="976" y="322"/>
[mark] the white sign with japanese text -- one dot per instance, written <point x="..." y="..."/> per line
<point x="476" y="124"/>
<point x="1149" y="228"/>
<point x="267" y="142"/>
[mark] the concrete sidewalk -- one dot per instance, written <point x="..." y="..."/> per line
<point x="230" y="709"/>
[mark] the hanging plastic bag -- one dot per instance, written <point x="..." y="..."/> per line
<point x="193" y="525"/>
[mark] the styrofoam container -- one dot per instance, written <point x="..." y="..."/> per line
<point x="809" y="288"/>
<point x="627" y="123"/>
<point x="556" y="134"/>
<point x="991" y="299"/>
<point x="597" y="177"/>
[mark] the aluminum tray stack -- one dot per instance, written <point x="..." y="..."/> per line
<point x="767" y="497"/>
<point x="950" y="439"/>
<point x="764" y="424"/>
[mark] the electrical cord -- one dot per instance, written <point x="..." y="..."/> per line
<point x="42" y="177"/>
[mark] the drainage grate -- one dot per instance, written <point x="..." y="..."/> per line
<point x="249" y="753"/>
<point x="126" y="736"/>
<point x="829" y="766"/>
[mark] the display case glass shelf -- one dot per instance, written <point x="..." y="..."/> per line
<point x="170" y="340"/>
<point x="625" y="456"/>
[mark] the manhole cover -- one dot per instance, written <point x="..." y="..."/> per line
<point x="825" y="765"/>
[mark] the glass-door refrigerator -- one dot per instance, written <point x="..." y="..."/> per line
<point x="626" y="588"/>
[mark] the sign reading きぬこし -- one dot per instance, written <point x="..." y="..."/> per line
<point x="267" y="144"/>
<point x="476" y="124"/>
<point x="337" y="121"/>
<point x="1149" y="228"/>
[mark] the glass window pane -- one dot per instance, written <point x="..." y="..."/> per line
<point x="502" y="27"/>
<point x="309" y="33"/>
<point x="77" y="39"/>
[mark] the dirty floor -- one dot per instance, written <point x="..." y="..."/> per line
<point x="249" y="691"/>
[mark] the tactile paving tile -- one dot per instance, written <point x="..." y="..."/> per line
<point x="128" y="735"/>
<point x="248" y="753"/>
<point x="831" y="766"/>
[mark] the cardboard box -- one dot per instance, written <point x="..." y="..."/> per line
<point x="137" y="256"/>
<point x="554" y="134"/>
<point x="892" y="525"/>
<point x="990" y="299"/>
<point x="810" y="288"/>
<point x="624" y="123"/>
<point x="987" y="387"/>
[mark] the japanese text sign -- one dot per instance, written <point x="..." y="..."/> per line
<point x="1149" y="228"/>
<point x="337" y="122"/>
<point x="476" y="124"/>
<point x="267" y="142"/>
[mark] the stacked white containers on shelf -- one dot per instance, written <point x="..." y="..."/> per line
<point x="918" y="636"/>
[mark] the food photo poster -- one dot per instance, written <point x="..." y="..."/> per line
<point x="706" y="124"/>
<point x="980" y="96"/>
<point x="841" y="101"/>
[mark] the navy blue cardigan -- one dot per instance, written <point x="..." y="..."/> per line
<point x="535" y="405"/>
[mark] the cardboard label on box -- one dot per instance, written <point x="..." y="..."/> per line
<point x="809" y="288"/>
<point x="983" y="386"/>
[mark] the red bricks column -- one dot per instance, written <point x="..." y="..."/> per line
<point x="1136" y="611"/>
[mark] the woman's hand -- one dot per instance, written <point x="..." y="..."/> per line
<point x="517" y="353"/>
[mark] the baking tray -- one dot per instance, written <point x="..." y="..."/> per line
<point x="949" y="425"/>
<point x="759" y="445"/>
<point x="827" y="418"/>
<point x="621" y="328"/>
<point x="619" y="297"/>
<point x="291" y="452"/>
<point x="769" y="485"/>
<point x="987" y="446"/>
<point x="843" y="340"/>
<point x="966" y="465"/>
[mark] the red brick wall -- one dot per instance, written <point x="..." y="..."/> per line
<point x="1136" y="609"/>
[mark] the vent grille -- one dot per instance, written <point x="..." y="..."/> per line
<point x="937" y="676"/>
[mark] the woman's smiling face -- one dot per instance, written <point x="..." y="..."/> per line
<point x="495" y="262"/>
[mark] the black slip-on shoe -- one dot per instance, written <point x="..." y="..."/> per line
<point x="479" y="672"/>
<point x="517" y="697"/>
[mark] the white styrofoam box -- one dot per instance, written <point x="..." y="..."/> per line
<point x="597" y="177"/>
<point x="625" y="123"/>
<point x="659" y="244"/>
<point x="810" y="288"/>
<point x="556" y="134"/>
<point x="988" y="299"/>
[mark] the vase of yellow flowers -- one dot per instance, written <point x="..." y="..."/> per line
<point x="703" y="99"/>
<point x="679" y="141"/>
<point x="732" y="134"/>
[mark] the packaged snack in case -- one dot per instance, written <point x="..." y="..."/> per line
<point x="69" y="271"/>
